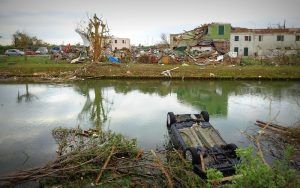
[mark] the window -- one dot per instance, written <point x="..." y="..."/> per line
<point x="123" y="41"/>
<point x="236" y="38"/>
<point x="206" y="31"/>
<point x="297" y="37"/>
<point x="247" y="38"/>
<point x="259" y="38"/>
<point x="280" y="38"/>
<point x="236" y="49"/>
<point x="221" y="29"/>
<point x="116" y="41"/>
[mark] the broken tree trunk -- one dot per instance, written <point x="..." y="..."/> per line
<point x="271" y="126"/>
<point x="105" y="165"/>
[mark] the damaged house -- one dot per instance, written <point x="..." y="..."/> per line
<point x="265" y="42"/>
<point x="203" y="38"/>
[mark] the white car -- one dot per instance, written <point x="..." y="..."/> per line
<point x="14" y="52"/>
<point x="42" y="51"/>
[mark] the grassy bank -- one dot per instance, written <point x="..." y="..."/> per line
<point x="43" y="67"/>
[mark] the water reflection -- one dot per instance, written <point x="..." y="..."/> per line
<point x="136" y="109"/>
<point x="27" y="96"/>
<point x="96" y="108"/>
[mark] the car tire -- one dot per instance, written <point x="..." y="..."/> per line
<point x="170" y="119"/>
<point x="191" y="154"/>
<point x="205" y="115"/>
<point x="232" y="148"/>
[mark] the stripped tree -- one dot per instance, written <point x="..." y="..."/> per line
<point x="96" y="34"/>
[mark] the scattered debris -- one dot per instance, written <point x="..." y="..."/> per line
<point x="113" y="59"/>
<point x="220" y="58"/>
<point x="168" y="72"/>
<point x="93" y="157"/>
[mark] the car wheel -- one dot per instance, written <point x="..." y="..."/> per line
<point x="170" y="119"/>
<point x="232" y="148"/>
<point x="191" y="154"/>
<point x="205" y="115"/>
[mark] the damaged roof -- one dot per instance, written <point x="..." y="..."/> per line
<point x="265" y="31"/>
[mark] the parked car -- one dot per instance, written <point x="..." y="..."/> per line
<point x="201" y="143"/>
<point x="30" y="52"/>
<point x="14" y="52"/>
<point x="42" y="51"/>
<point x="56" y="49"/>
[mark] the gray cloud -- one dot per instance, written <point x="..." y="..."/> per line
<point x="142" y="21"/>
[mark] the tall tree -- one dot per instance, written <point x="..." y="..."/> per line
<point x="23" y="41"/>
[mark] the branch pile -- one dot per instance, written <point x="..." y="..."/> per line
<point x="93" y="157"/>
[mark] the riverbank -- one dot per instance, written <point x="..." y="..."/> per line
<point x="42" y="68"/>
<point x="88" y="158"/>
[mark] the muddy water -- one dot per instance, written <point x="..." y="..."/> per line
<point x="137" y="109"/>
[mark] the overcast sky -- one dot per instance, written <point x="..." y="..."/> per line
<point x="142" y="21"/>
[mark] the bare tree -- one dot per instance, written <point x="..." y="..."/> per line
<point x="164" y="39"/>
<point x="97" y="34"/>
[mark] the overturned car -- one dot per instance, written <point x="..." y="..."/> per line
<point x="201" y="143"/>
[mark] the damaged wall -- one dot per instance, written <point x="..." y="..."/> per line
<point x="212" y="31"/>
<point x="215" y="31"/>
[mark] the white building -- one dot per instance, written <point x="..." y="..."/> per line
<point x="119" y="43"/>
<point x="264" y="42"/>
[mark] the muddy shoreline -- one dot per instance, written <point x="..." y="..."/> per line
<point x="37" y="78"/>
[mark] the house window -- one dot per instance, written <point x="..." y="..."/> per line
<point x="221" y="29"/>
<point x="247" y="38"/>
<point x="116" y="41"/>
<point x="260" y="38"/>
<point x="123" y="41"/>
<point x="236" y="38"/>
<point x="280" y="38"/>
<point x="236" y="49"/>
<point x="298" y="38"/>
<point x="206" y="31"/>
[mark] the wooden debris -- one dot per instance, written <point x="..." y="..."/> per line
<point x="105" y="165"/>
<point x="168" y="72"/>
<point x="271" y="126"/>
<point x="170" y="183"/>
<point x="202" y="162"/>
<point x="225" y="179"/>
<point x="139" y="155"/>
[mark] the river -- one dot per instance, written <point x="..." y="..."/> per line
<point x="137" y="109"/>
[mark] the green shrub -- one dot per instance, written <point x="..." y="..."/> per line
<point x="255" y="173"/>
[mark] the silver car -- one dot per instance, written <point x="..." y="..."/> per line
<point x="14" y="52"/>
<point x="42" y="51"/>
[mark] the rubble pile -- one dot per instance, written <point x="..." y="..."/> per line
<point x="198" y="50"/>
